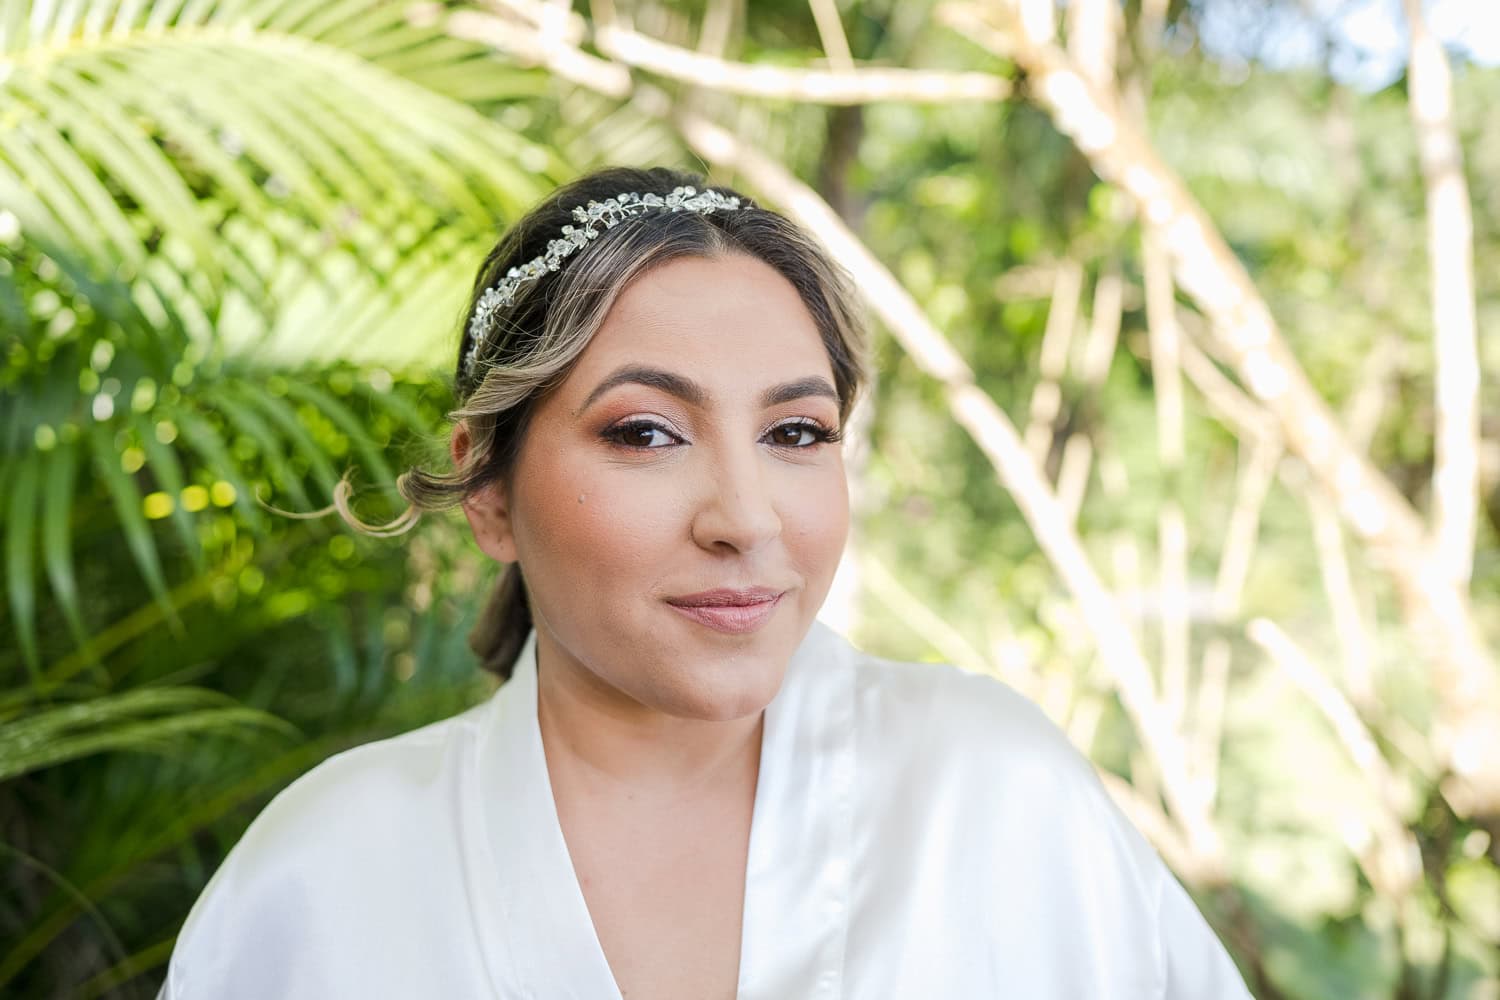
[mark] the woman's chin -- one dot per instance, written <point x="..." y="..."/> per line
<point x="725" y="692"/>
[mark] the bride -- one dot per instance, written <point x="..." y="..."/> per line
<point x="686" y="788"/>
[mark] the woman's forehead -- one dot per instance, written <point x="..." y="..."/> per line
<point x="732" y="320"/>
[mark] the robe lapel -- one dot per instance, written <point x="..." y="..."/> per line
<point x="540" y="941"/>
<point x="797" y="882"/>
<point x="529" y="910"/>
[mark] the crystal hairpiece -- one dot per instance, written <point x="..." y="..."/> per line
<point x="596" y="216"/>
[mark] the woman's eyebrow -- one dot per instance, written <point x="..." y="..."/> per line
<point x="656" y="378"/>
<point x="813" y="385"/>
<point x="693" y="394"/>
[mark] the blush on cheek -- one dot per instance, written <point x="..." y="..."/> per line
<point x="817" y="529"/>
<point x="595" y="526"/>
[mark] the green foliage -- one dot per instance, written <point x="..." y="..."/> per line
<point x="234" y="242"/>
<point x="140" y="719"/>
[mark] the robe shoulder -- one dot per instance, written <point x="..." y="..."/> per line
<point x="971" y="752"/>
<point x="331" y="882"/>
<point x="974" y="772"/>
<point x="378" y="794"/>
<point x="936" y="714"/>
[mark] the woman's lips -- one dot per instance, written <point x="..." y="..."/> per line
<point x="733" y="612"/>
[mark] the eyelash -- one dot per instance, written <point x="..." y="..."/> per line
<point x="820" y="434"/>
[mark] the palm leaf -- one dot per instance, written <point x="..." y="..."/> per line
<point x="57" y="539"/>
<point x="207" y="442"/>
<point x="271" y="447"/>
<point x="164" y="465"/>
<point x="96" y="125"/>
<point x="198" y="813"/>
<point x="69" y="200"/>
<point x="226" y="170"/>
<point x="202" y="183"/>
<point x="595" y="131"/>
<point x="309" y="141"/>
<point x="20" y="554"/>
<point x="127" y="505"/>
<point x="347" y="422"/>
<point x="398" y="319"/>
<point x="153" y="719"/>
<point x="282" y="415"/>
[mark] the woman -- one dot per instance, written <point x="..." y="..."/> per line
<point x="686" y="788"/>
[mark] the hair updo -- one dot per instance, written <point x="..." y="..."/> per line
<point x="531" y="344"/>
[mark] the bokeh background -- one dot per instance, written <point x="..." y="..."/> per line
<point x="1178" y="424"/>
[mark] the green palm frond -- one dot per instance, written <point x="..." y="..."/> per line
<point x="23" y="486"/>
<point x="145" y="719"/>
<point x="57" y="537"/>
<point x="126" y="499"/>
<point x="126" y="844"/>
<point x="236" y="236"/>
<point x="242" y="439"/>
<point x="233" y="159"/>
<point x="192" y="186"/>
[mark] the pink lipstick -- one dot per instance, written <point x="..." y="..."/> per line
<point x="735" y="612"/>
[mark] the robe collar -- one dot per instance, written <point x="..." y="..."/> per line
<point x="529" y="911"/>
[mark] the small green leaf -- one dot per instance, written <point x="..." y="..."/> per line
<point x="251" y="423"/>
<point x="20" y="556"/>
<point x="162" y="462"/>
<point x="398" y="406"/>
<point x="151" y="719"/>
<point x="280" y="413"/>
<point x="347" y="422"/>
<point x="61" y="474"/>
<point x="205" y="439"/>
<point x="127" y="501"/>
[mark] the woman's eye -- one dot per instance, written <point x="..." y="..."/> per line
<point x="799" y="434"/>
<point x="641" y="434"/>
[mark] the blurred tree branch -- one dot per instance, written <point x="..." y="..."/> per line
<point x="1098" y="350"/>
<point x="1392" y="862"/>
<point x="831" y="31"/>
<point x="1437" y="607"/>
<point x="1052" y="365"/>
<point x="1450" y="249"/>
<point x="813" y="86"/>
<point x="537" y="33"/>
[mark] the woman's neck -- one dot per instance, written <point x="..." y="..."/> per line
<point x="605" y="741"/>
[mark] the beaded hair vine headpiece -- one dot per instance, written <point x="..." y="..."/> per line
<point x="596" y="216"/>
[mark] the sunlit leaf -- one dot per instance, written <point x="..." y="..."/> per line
<point x="204" y="438"/>
<point x="146" y="719"/>
<point x="164" y="466"/>
<point x="127" y="505"/>
<point x="20" y="553"/>
<point x="57" y="537"/>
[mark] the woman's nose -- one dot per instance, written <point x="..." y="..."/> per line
<point x="738" y="511"/>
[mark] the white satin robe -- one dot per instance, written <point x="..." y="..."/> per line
<point x="918" y="832"/>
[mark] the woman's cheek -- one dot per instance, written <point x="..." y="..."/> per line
<point x="619" y="520"/>
<point x="816" y="521"/>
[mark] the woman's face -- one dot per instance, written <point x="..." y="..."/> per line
<point x="678" y="505"/>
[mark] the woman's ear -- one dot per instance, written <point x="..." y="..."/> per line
<point x="487" y="509"/>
